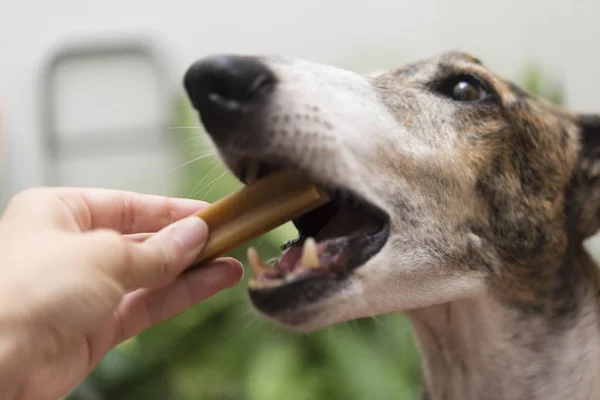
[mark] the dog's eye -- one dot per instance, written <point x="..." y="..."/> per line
<point x="465" y="91"/>
<point x="464" y="88"/>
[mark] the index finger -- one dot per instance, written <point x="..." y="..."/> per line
<point x="123" y="211"/>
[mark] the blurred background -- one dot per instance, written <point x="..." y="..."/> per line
<point x="91" y="95"/>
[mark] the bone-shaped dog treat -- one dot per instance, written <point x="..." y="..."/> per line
<point x="256" y="209"/>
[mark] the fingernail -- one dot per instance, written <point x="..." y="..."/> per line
<point x="236" y="272"/>
<point x="189" y="233"/>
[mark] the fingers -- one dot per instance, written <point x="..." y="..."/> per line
<point x="125" y="212"/>
<point x="152" y="262"/>
<point x="146" y="307"/>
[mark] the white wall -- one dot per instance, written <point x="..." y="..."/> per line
<point x="362" y="35"/>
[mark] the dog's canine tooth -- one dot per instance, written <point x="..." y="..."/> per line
<point x="257" y="265"/>
<point x="252" y="168"/>
<point x="310" y="257"/>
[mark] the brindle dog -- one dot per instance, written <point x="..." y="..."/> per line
<point x="458" y="199"/>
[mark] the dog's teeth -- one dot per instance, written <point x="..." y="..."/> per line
<point x="254" y="284"/>
<point x="252" y="171"/>
<point x="310" y="257"/>
<point x="257" y="265"/>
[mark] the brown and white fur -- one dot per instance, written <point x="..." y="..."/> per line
<point x="490" y="202"/>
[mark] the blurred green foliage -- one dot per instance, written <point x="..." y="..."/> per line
<point x="538" y="83"/>
<point x="220" y="349"/>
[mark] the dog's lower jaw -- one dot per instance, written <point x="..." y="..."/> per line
<point x="476" y="348"/>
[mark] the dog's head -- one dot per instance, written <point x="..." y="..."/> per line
<point x="446" y="180"/>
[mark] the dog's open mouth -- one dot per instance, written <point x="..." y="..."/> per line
<point x="333" y="240"/>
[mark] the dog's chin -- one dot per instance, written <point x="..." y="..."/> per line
<point x="304" y="305"/>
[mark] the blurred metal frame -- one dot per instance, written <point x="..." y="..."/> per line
<point x="51" y="140"/>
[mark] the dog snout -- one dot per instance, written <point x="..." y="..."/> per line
<point x="223" y="88"/>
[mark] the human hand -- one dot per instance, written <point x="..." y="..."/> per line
<point x="81" y="272"/>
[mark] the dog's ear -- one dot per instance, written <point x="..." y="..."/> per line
<point x="585" y="188"/>
<point x="590" y="141"/>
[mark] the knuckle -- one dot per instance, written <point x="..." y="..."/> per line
<point x="25" y="196"/>
<point x="32" y="192"/>
<point x="128" y="213"/>
<point x="164" y="263"/>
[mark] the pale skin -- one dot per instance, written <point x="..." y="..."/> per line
<point x="82" y="270"/>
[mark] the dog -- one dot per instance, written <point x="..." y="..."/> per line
<point x="457" y="199"/>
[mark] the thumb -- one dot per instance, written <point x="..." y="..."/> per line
<point x="179" y="244"/>
<point x="160" y="257"/>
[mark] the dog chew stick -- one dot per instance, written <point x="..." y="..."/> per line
<point x="256" y="209"/>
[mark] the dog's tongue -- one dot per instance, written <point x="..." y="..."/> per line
<point x="331" y="254"/>
<point x="289" y="258"/>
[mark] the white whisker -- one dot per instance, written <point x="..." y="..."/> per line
<point x="193" y="192"/>
<point x="208" y="184"/>
<point x="218" y="180"/>
<point x="251" y="321"/>
<point x="259" y="242"/>
<point x="195" y="137"/>
<point x="183" y="127"/>
<point x="193" y="161"/>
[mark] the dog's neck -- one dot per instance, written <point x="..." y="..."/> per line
<point x="477" y="348"/>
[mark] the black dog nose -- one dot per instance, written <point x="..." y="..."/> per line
<point x="222" y="88"/>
